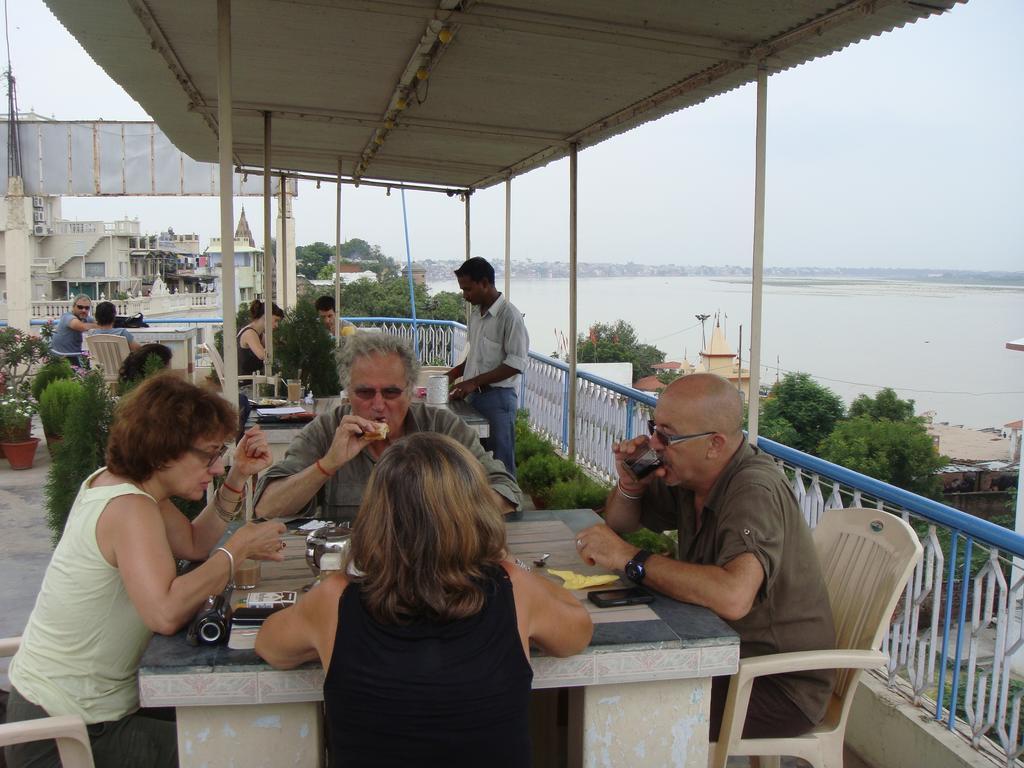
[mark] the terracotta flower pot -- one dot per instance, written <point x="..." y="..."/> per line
<point x="21" y="454"/>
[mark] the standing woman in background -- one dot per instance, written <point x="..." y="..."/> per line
<point x="252" y="352"/>
<point x="427" y="651"/>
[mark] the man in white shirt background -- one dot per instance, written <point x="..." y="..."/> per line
<point x="498" y="351"/>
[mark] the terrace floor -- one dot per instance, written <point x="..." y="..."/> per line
<point x="25" y="551"/>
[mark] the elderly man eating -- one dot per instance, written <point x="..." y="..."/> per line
<point x="330" y="460"/>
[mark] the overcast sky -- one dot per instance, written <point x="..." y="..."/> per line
<point x="904" y="150"/>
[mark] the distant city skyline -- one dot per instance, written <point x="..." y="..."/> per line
<point x="901" y="151"/>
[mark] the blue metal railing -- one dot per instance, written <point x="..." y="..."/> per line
<point x="988" y="609"/>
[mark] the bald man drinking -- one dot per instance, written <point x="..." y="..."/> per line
<point x="745" y="551"/>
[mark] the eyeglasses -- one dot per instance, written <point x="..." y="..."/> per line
<point x="369" y="393"/>
<point x="79" y="306"/>
<point x="212" y="457"/>
<point x="668" y="439"/>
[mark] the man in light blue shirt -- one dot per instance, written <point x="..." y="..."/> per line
<point x="67" y="338"/>
<point x="499" y="348"/>
<point x="106" y="313"/>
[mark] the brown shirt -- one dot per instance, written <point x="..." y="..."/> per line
<point x="752" y="509"/>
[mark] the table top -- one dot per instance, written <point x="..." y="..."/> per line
<point x="665" y="640"/>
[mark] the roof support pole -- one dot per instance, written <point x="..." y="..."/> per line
<point x="467" y="225"/>
<point x="283" y="265"/>
<point x="225" y="139"/>
<point x="508" y="235"/>
<point x="268" y="273"/>
<point x="337" y="261"/>
<point x="757" y="271"/>
<point x="574" y="149"/>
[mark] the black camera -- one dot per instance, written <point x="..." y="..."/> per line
<point x="212" y="623"/>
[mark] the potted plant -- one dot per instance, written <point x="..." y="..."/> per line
<point x="55" y="403"/>
<point x="82" y="452"/>
<point x="19" y="353"/>
<point x="16" y="439"/>
<point x="304" y="349"/>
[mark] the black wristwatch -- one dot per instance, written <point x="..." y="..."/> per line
<point x="634" y="569"/>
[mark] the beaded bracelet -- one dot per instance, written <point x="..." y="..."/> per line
<point x="322" y="470"/>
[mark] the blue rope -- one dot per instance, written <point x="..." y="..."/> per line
<point x="412" y="289"/>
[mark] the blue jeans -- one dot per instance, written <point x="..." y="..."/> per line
<point x="499" y="405"/>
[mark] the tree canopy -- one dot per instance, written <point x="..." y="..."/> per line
<point x="390" y="298"/>
<point x="316" y="260"/>
<point x="885" y="405"/>
<point x="618" y="343"/>
<point x="900" y="453"/>
<point x="800" y="412"/>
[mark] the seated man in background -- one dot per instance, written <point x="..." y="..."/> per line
<point x="330" y="460"/>
<point x="106" y="313"/>
<point x="745" y="551"/>
<point x="67" y="336"/>
<point x="327" y="310"/>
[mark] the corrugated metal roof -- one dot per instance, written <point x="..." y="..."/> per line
<point x="514" y="86"/>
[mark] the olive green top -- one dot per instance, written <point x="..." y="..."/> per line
<point x="752" y="509"/>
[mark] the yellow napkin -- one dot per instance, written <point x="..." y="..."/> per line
<point x="575" y="580"/>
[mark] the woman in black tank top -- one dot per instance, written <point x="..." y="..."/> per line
<point x="426" y="654"/>
<point x="250" y="339"/>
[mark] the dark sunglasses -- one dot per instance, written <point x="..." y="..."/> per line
<point x="668" y="439"/>
<point x="79" y="306"/>
<point x="369" y="393"/>
<point x="212" y="457"/>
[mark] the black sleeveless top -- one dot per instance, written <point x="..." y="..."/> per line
<point x="427" y="694"/>
<point x="248" y="363"/>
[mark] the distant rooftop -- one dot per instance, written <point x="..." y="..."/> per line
<point x="962" y="444"/>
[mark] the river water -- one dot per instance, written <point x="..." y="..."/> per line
<point x="941" y="345"/>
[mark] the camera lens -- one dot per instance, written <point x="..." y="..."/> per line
<point x="210" y="632"/>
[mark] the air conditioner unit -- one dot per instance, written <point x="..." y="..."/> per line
<point x="37" y="201"/>
<point x="40" y="230"/>
<point x="38" y="216"/>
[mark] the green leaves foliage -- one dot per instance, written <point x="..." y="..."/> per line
<point x="86" y="431"/>
<point x="618" y="343"/>
<point x="800" y="412"/>
<point x="304" y="349"/>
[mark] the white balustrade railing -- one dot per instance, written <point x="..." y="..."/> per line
<point x="954" y="637"/>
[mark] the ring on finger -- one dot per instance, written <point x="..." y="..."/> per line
<point x="579" y="543"/>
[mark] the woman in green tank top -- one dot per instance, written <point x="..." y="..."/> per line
<point x="112" y="580"/>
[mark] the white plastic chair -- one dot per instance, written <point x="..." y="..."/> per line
<point x="108" y="351"/>
<point x="68" y="730"/>
<point x="866" y="557"/>
<point x="218" y="366"/>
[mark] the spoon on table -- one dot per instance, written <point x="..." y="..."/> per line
<point x="540" y="561"/>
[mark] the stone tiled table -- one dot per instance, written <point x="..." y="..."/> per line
<point x="642" y="687"/>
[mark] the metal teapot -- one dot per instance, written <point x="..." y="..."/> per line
<point x="327" y="548"/>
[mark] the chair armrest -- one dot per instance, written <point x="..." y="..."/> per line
<point x="9" y="645"/>
<point x="802" y="661"/>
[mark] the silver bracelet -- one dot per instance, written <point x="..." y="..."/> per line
<point x="231" y="560"/>
<point x="622" y="492"/>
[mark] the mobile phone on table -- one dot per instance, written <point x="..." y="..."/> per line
<point x="609" y="598"/>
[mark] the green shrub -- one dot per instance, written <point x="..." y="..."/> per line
<point x="52" y="371"/>
<point x="652" y="541"/>
<point x="85" y="444"/>
<point x="56" y="402"/>
<point x="303" y="345"/>
<point x="580" y="492"/>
